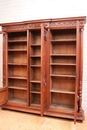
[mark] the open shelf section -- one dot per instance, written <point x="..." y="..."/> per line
<point x="20" y="101"/>
<point x="63" y="70"/>
<point x="62" y="107"/>
<point x="35" y="87"/>
<point x="35" y="61"/>
<point x="35" y="37"/>
<point x="16" y="95"/>
<point x="17" y="71"/>
<point x="36" y="50"/>
<point x="64" y="84"/>
<point x="20" y="46"/>
<point x="63" y="34"/>
<point x="62" y="101"/>
<point x="64" y="48"/>
<point x="63" y="60"/>
<point x="19" y="36"/>
<point x="35" y="99"/>
<point x="17" y="83"/>
<point x="19" y="57"/>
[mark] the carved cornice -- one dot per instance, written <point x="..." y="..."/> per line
<point x="67" y="22"/>
<point x="23" y="27"/>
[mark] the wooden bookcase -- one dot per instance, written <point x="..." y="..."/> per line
<point x="42" y="67"/>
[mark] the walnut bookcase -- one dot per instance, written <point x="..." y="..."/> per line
<point x="42" y="67"/>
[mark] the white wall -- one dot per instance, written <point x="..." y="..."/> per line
<point x="22" y="10"/>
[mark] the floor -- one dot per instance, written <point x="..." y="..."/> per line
<point x="12" y="120"/>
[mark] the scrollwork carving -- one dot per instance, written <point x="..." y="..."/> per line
<point x="16" y="27"/>
<point x="60" y="24"/>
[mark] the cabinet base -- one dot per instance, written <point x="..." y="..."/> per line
<point x="22" y="109"/>
<point x="66" y="115"/>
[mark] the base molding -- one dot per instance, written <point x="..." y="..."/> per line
<point x="66" y="115"/>
<point x="69" y="115"/>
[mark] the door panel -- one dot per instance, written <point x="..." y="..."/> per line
<point x="43" y="64"/>
<point x="3" y="90"/>
<point x="3" y="96"/>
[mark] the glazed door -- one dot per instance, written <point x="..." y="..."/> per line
<point x="3" y="90"/>
<point x="43" y="71"/>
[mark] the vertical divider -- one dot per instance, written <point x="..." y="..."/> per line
<point x="28" y="67"/>
<point x="6" y="46"/>
<point x="43" y="69"/>
<point x="48" y="69"/>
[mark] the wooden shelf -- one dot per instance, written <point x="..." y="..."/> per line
<point x="63" y="107"/>
<point x="22" y="101"/>
<point x="16" y="87"/>
<point x="35" y="56"/>
<point x="35" y="81"/>
<point x="63" y="40"/>
<point x="63" y="55"/>
<point x="25" y="64"/>
<point x="36" y="92"/>
<point x="17" y="50"/>
<point x="63" y="64"/>
<point x="56" y="75"/>
<point x="17" y="40"/>
<point x="17" y="77"/>
<point x="35" y="65"/>
<point x="62" y="91"/>
<point x="35" y="45"/>
<point x="35" y="104"/>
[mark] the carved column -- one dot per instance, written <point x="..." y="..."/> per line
<point x="81" y="70"/>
